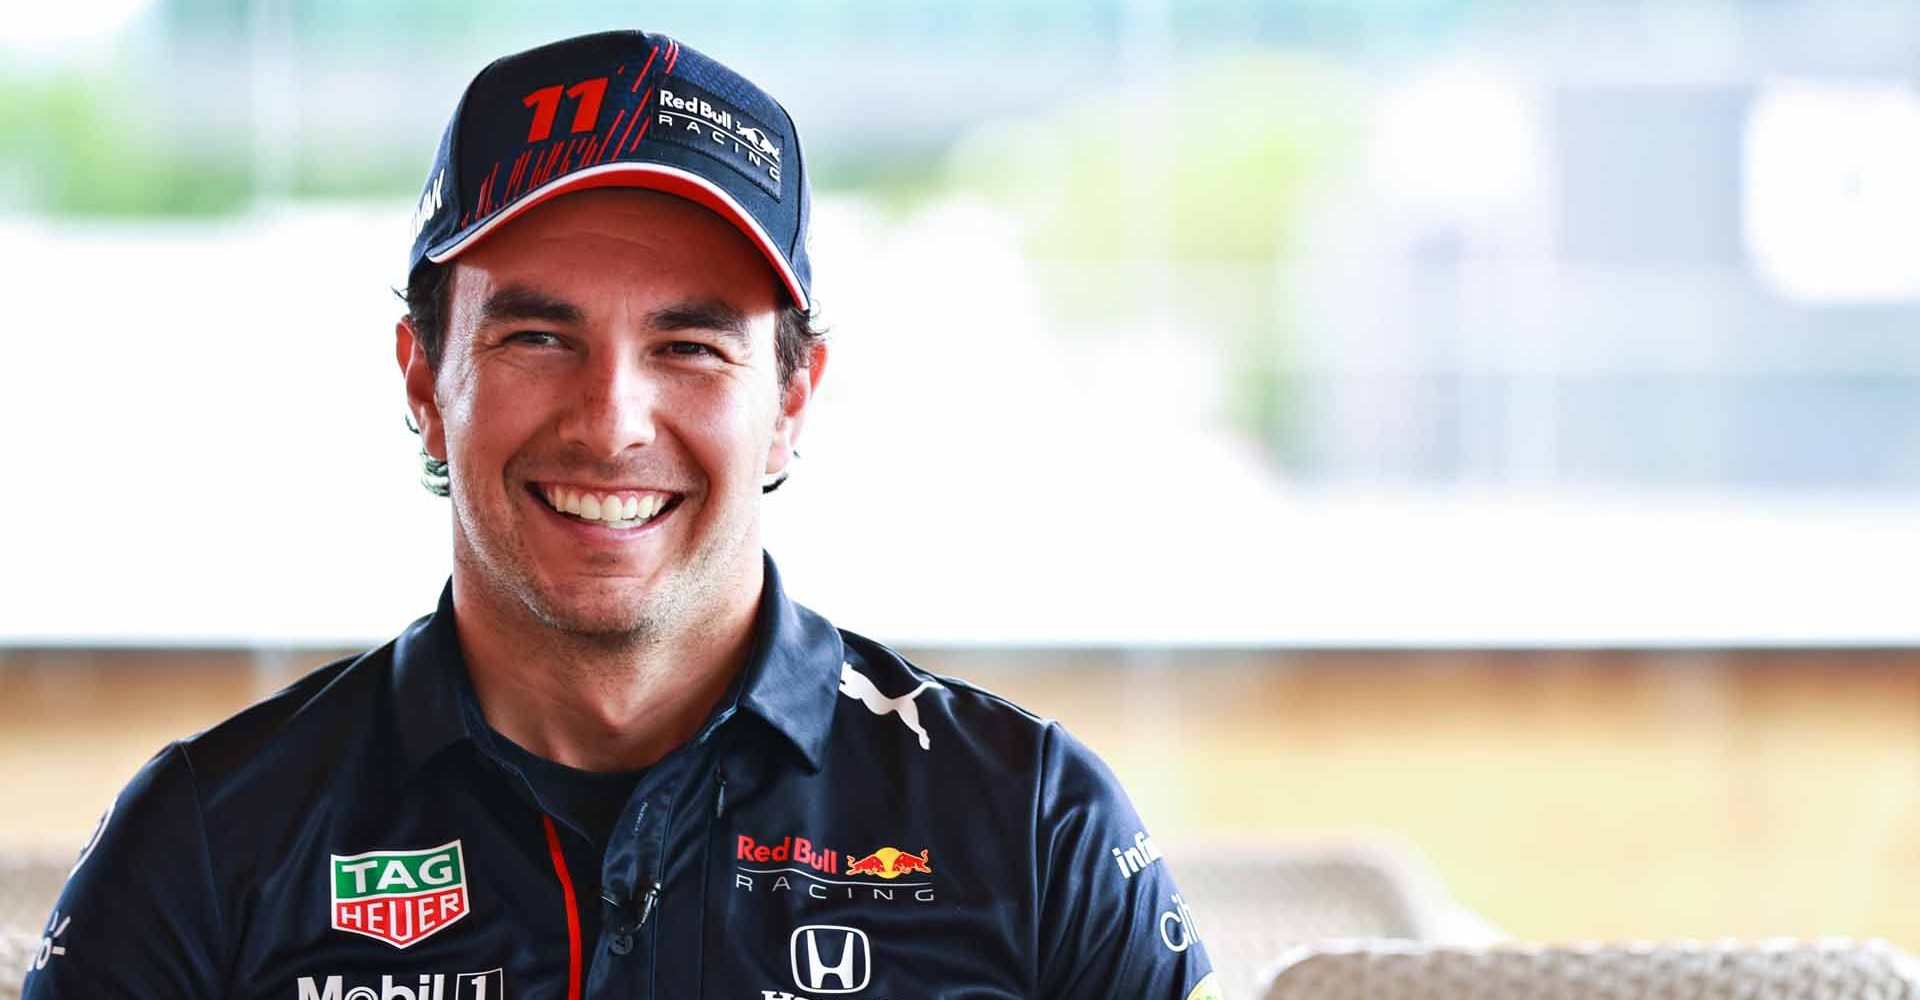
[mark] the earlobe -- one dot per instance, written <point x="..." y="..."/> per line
<point x="781" y="453"/>
<point x="793" y="409"/>
<point x="418" y="375"/>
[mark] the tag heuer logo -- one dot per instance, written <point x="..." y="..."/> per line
<point x="399" y="897"/>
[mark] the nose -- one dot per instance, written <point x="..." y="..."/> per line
<point x="611" y="406"/>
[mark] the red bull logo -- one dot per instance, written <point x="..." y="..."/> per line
<point x="797" y="865"/>
<point x="797" y="850"/>
<point x="890" y="863"/>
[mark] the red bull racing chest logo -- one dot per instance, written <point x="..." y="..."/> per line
<point x="798" y="865"/>
<point x="890" y="863"/>
<point x="400" y="897"/>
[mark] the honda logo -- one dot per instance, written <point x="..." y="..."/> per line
<point x="825" y="954"/>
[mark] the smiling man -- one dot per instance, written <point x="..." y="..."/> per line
<point x="618" y="761"/>
<point x="609" y="400"/>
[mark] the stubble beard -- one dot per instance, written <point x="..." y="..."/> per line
<point x="584" y="617"/>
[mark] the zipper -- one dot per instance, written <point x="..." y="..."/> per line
<point x="647" y="903"/>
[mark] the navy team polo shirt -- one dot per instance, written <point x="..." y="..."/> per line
<point x="845" y="825"/>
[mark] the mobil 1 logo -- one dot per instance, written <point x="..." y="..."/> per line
<point x="490" y="985"/>
<point x="695" y="117"/>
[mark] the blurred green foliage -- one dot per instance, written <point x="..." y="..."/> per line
<point x="1186" y="180"/>
<point x="1212" y="167"/>
<point x="1186" y="195"/>
<point x="79" y="144"/>
<point x="896" y="178"/>
<point x="88" y="144"/>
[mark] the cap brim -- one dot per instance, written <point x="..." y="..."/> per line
<point x="652" y="177"/>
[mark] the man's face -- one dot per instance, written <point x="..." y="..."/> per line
<point x="608" y="403"/>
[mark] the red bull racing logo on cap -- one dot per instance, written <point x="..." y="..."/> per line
<point x="400" y="897"/>
<point x="692" y="116"/>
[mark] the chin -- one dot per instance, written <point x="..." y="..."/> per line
<point x="593" y="609"/>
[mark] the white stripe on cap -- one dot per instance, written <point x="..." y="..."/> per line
<point x="734" y="212"/>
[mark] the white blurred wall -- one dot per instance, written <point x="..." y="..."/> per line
<point x="206" y="444"/>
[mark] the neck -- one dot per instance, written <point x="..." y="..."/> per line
<point x="613" y="702"/>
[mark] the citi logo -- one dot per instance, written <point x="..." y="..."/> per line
<point x="824" y="954"/>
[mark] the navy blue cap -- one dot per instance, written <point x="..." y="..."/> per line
<point x="617" y="109"/>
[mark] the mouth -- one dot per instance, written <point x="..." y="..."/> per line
<point x="624" y="510"/>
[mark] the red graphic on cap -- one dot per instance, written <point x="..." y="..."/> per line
<point x="606" y="143"/>
<point x="643" y="72"/>
<point x="531" y="169"/>
<point x="639" y="115"/>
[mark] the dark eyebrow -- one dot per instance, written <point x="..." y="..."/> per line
<point x="702" y="314"/>
<point x="511" y="302"/>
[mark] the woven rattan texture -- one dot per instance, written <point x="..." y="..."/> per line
<point x="1252" y="903"/>
<point x="1775" y="971"/>
<point x="28" y="885"/>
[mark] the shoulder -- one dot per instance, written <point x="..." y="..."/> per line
<point x="303" y="720"/>
<point x="341" y="744"/>
<point x="164" y="889"/>
<point x="139" y="914"/>
<point x="203" y="783"/>
<point x="894" y="714"/>
<point x="936" y="709"/>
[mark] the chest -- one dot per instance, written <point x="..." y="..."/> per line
<point x="770" y="887"/>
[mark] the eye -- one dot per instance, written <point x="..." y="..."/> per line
<point x="691" y="348"/>
<point x="533" y="338"/>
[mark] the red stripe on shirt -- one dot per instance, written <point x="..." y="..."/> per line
<point x="573" y="909"/>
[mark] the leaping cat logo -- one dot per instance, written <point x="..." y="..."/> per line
<point x="859" y="686"/>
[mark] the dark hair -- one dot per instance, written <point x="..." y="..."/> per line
<point x="795" y="333"/>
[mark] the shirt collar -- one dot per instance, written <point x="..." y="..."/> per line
<point x="790" y="680"/>
<point x="429" y="686"/>
<point x="792" y="677"/>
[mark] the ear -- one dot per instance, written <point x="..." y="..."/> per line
<point x="793" y="407"/>
<point x="418" y="375"/>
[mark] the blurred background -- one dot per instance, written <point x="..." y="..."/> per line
<point x="1488" y="422"/>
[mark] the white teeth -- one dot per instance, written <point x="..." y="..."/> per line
<point x="609" y="509"/>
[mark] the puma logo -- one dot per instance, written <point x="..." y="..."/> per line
<point x="857" y="685"/>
